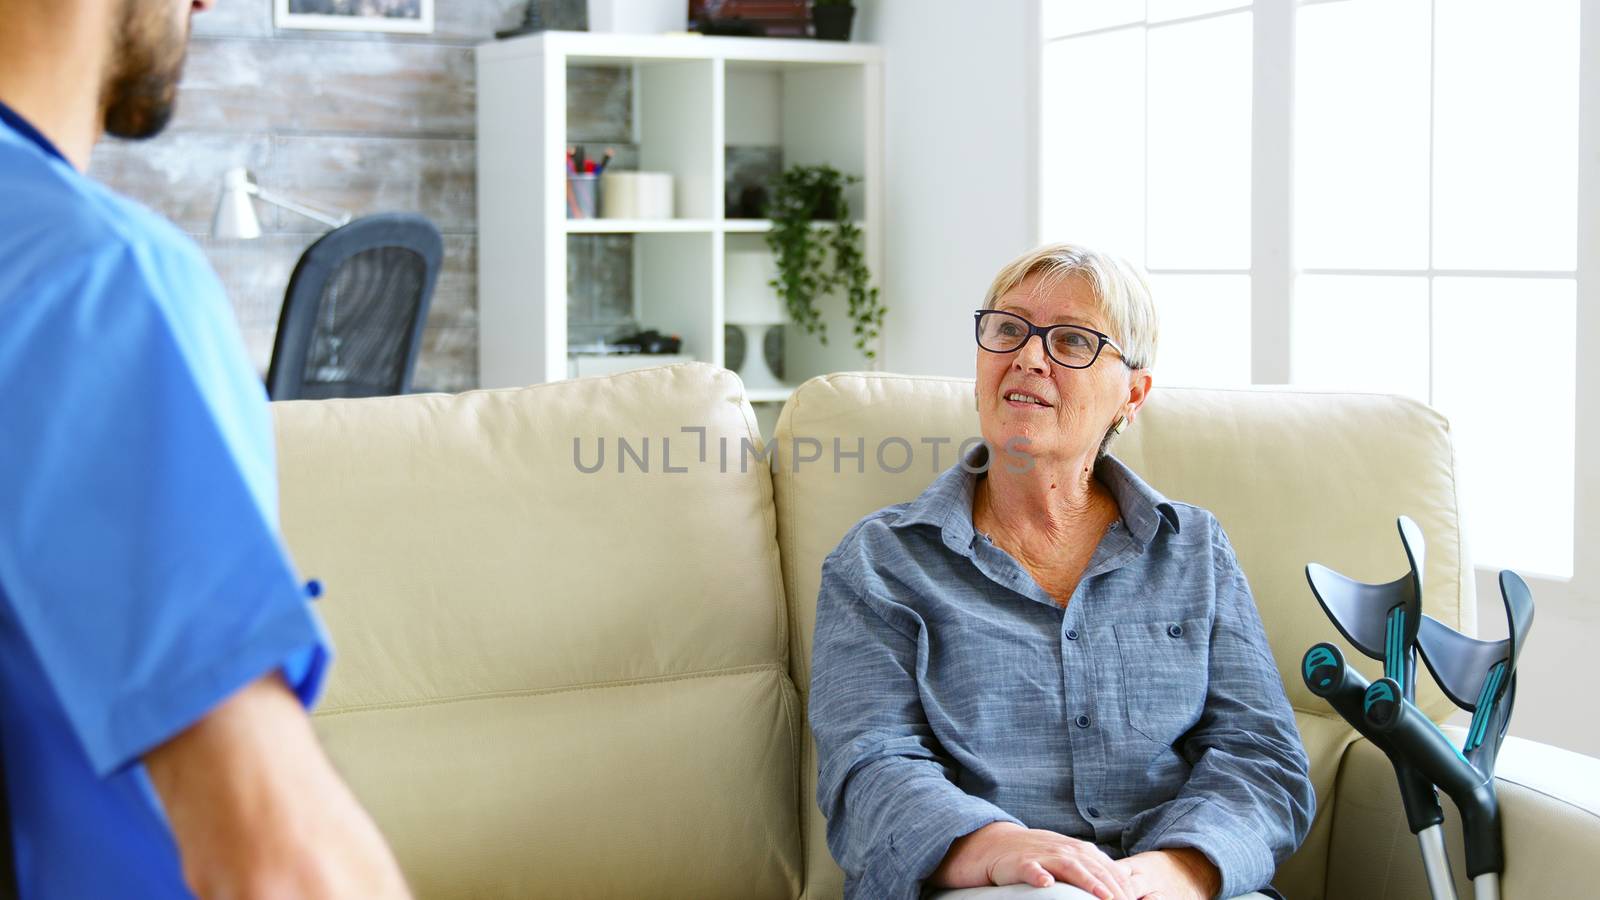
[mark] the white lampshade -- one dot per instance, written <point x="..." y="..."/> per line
<point x="236" y="213"/>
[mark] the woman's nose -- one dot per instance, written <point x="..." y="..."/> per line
<point x="1031" y="355"/>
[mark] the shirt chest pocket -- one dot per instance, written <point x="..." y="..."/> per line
<point x="1165" y="668"/>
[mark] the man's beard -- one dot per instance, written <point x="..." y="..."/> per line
<point x="146" y="65"/>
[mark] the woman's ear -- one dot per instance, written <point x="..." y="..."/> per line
<point x="1139" y="384"/>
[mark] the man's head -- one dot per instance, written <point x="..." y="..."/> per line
<point x="148" y="44"/>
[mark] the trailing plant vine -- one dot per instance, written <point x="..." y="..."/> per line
<point x="802" y="195"/>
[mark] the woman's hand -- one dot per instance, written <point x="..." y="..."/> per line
<point x="1007" y="853"/>
<point x="1184" y="874"/>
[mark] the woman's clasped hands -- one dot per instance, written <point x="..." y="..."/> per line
<point x="1007" y="853"/>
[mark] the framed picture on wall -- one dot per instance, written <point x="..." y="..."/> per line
<point x="413" y="16"/>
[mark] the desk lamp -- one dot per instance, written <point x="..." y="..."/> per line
<point x="236" y="215"/>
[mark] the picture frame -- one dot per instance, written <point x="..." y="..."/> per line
<point x="396" y="16"/>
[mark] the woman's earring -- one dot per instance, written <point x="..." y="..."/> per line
<point x="1121" y="426"/>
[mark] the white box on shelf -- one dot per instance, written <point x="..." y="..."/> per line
<point x="638" y="16"/>
<point x="636" y="195"/>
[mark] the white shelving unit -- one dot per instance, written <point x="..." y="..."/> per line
<point x="820" y="102"/>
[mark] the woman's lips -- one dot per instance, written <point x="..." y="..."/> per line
<point x="1024" y="404"/>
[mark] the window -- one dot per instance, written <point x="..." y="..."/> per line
<point x="1421" y="160"/>
<point x="1147" y="141"/>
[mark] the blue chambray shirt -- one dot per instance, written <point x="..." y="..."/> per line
<point x="950" y="691"/>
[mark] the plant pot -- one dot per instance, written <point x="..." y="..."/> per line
<point x="832" y="22"/>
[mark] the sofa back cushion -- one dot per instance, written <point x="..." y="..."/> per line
<point x="1294" y="478"/>
<point x="550" y="683"/>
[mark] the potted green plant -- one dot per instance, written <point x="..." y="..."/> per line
<point x="832" y="18"/>
<point x="813" y="262"/>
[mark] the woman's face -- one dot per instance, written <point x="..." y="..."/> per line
<point x="1075" y="406"/>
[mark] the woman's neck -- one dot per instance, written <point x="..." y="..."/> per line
<point x="1032" y="514"/>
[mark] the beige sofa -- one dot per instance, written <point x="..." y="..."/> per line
<point x="558" y="683"/>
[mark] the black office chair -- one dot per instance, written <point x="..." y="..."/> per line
<point x="352" y="320"/>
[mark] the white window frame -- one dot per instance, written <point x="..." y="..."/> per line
<point x="1272" y="268"/>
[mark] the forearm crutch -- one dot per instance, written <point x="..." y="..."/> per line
<point x="1382" y="621"/>
<point x="1479" y="676"/>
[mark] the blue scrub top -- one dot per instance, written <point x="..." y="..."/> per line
<point x="142" y="577"/>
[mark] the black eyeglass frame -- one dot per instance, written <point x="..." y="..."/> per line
<point x="1044" y="338"/>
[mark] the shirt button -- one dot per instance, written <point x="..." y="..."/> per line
<point x="1072" y="634"/>
<point x="1083" y="721"/>
<point x="1094" y="812"/>
<point x="1175" y="631"/>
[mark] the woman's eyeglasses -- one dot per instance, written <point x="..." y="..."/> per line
<point x="1072" y="346"/>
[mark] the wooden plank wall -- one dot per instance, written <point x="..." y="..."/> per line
<point x="366" y="122"/>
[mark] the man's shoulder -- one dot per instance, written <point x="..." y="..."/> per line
<point x="58" y="222"/>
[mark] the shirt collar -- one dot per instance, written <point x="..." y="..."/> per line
<point x="1143" y="507"/>
<point x="947" y="503"/>
<point x="23" y="127"/>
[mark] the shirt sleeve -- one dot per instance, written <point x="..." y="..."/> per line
<point x="139" y="553"/>
<point x="883" y="785"/>
<point x="1248" y="801"/>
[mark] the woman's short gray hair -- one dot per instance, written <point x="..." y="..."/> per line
<point x="1119" y="286"/>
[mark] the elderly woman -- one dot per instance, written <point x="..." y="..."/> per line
<point x="1041" y="671"/>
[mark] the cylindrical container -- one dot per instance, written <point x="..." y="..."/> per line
<point x="636" y="195"/>
<point x="638" y="16"/>
<point x="581" y="199"/>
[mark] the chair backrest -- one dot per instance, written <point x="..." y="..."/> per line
<point x="352" y="319"/>
<point x="1294" y="477"/>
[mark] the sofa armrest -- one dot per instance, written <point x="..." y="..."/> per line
<point x="1550" y="813"/>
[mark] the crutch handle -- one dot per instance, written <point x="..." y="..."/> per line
<point x="1328" y="676"/>
<point x="1420" y="743"/>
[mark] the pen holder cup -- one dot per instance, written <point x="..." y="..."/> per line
<point x="583" y="196"/>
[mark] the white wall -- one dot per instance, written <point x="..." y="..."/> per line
<point x="959" y="148"/>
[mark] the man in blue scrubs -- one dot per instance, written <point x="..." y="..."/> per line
<point x="157" y="650"/>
